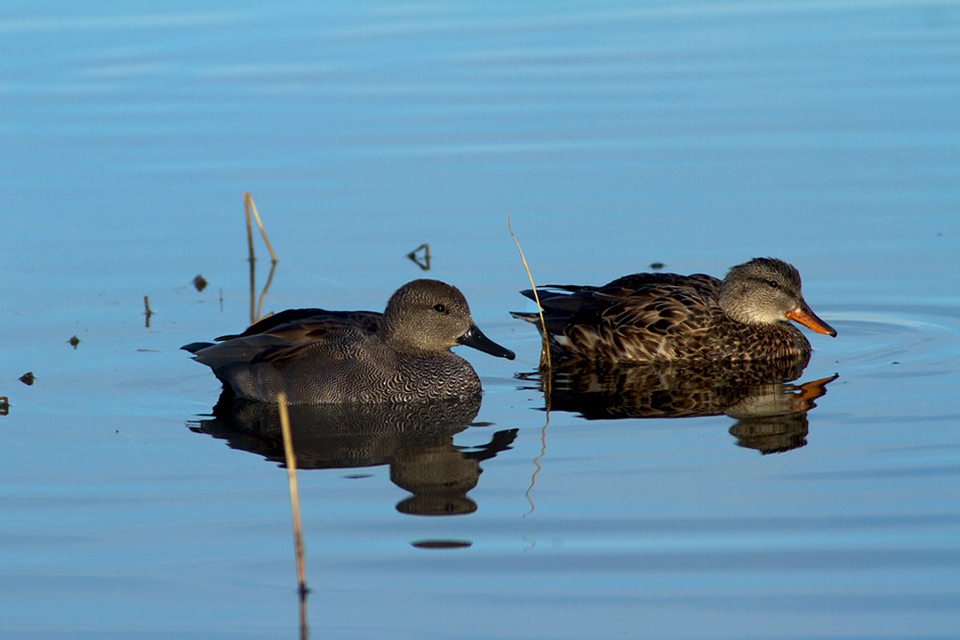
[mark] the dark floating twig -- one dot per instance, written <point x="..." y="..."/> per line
<point x="441" y="544"/>
<point x="200" y="282"/>
<point x="657" y="265"/>
<point x="424" y="261"/>
<point x="74" y="341"/>
<point x="27" y="378"/>
<point x="147" y="312"/>
<point x="4" y="405"/>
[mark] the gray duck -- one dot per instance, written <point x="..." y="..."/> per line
<point x="665" y="317"/>
<point x="317" y="357"/>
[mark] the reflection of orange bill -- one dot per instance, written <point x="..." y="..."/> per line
<point x="810" y="391"/>
<point x="809" y="319"/>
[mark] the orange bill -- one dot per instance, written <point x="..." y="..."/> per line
<point x="809" y="319"/>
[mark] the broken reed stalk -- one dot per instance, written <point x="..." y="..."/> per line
<point x="255" y="310"/>
<point x="251" y="258"/>
<point x="263" y="294"/>
<point x="247" y="201"/>
<point x="545" y="349"/>
<point x="294" y="494"/>
<point x="249" y="206"/>
<point x="147" y="312"/>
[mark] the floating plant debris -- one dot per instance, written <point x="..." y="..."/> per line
<point x="200" y="282"/>
<point x="422" y="261"/>
<point x="74" y="341"/>
<point x="147" y="312"/>
<point x="442" y="544"/>
<point x="27" y="378"/>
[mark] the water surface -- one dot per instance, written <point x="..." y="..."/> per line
<point x="696" y="134"/>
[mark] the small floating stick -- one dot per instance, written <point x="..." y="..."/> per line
<point x="147" y="312"/>
<point x="294" y="494"/>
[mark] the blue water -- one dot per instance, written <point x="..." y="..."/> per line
<point x="696" y="134"/>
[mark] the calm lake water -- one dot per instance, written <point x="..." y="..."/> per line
<point x="695" y="134"/>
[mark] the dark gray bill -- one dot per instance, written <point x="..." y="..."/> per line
<point x="475" y="338"/>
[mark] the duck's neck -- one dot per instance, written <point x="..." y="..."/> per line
<point x="401" y="340"/>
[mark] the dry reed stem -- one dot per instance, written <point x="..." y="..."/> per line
<point x="545" y="349"/>
<point x="147" y="312"/>
<point x="263" y="294"/>
<point x="256" y="308"/>
<point x="251" y="258"/>
<point x="294" y="494"/>
<point x="247" y="201"/>
<point x="253" y="277"/>
<point x="249" y="206"/>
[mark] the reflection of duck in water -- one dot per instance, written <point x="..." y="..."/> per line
<point x="439" y="474"/>
<point x="665" y="317"/>
<point x="771" y="414"/>
<point x="415" y="439"/>
<point x="773" y="418"/>
<point x="320" y="357"/>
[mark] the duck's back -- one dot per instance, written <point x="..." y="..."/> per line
<point x="642" y="317"/>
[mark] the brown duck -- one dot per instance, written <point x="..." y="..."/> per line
<point x="665" y="317"/>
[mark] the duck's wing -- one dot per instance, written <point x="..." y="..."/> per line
<point x="563" y="297"/>
<point x="288" y="336"/>
<point x="667" y="322"/>
<point x="639" y="285"/>
<point x="335" y="335"/>
<point x="292" y="320"/>
<point x="646" y="316"/>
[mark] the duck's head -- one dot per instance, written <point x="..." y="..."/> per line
<point x="429" y="317"/>
<point x="767" y="291"/>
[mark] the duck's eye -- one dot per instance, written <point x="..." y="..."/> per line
<point x="439" y="308"/>
<point x="773" y="284"/>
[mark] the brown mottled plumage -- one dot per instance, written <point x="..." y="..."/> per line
<point x="665" y="317"/>
<point x="316" y="356"/>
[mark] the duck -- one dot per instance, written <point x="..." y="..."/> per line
<point x="315" y="356"/>
<point x="666" y="317"/>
